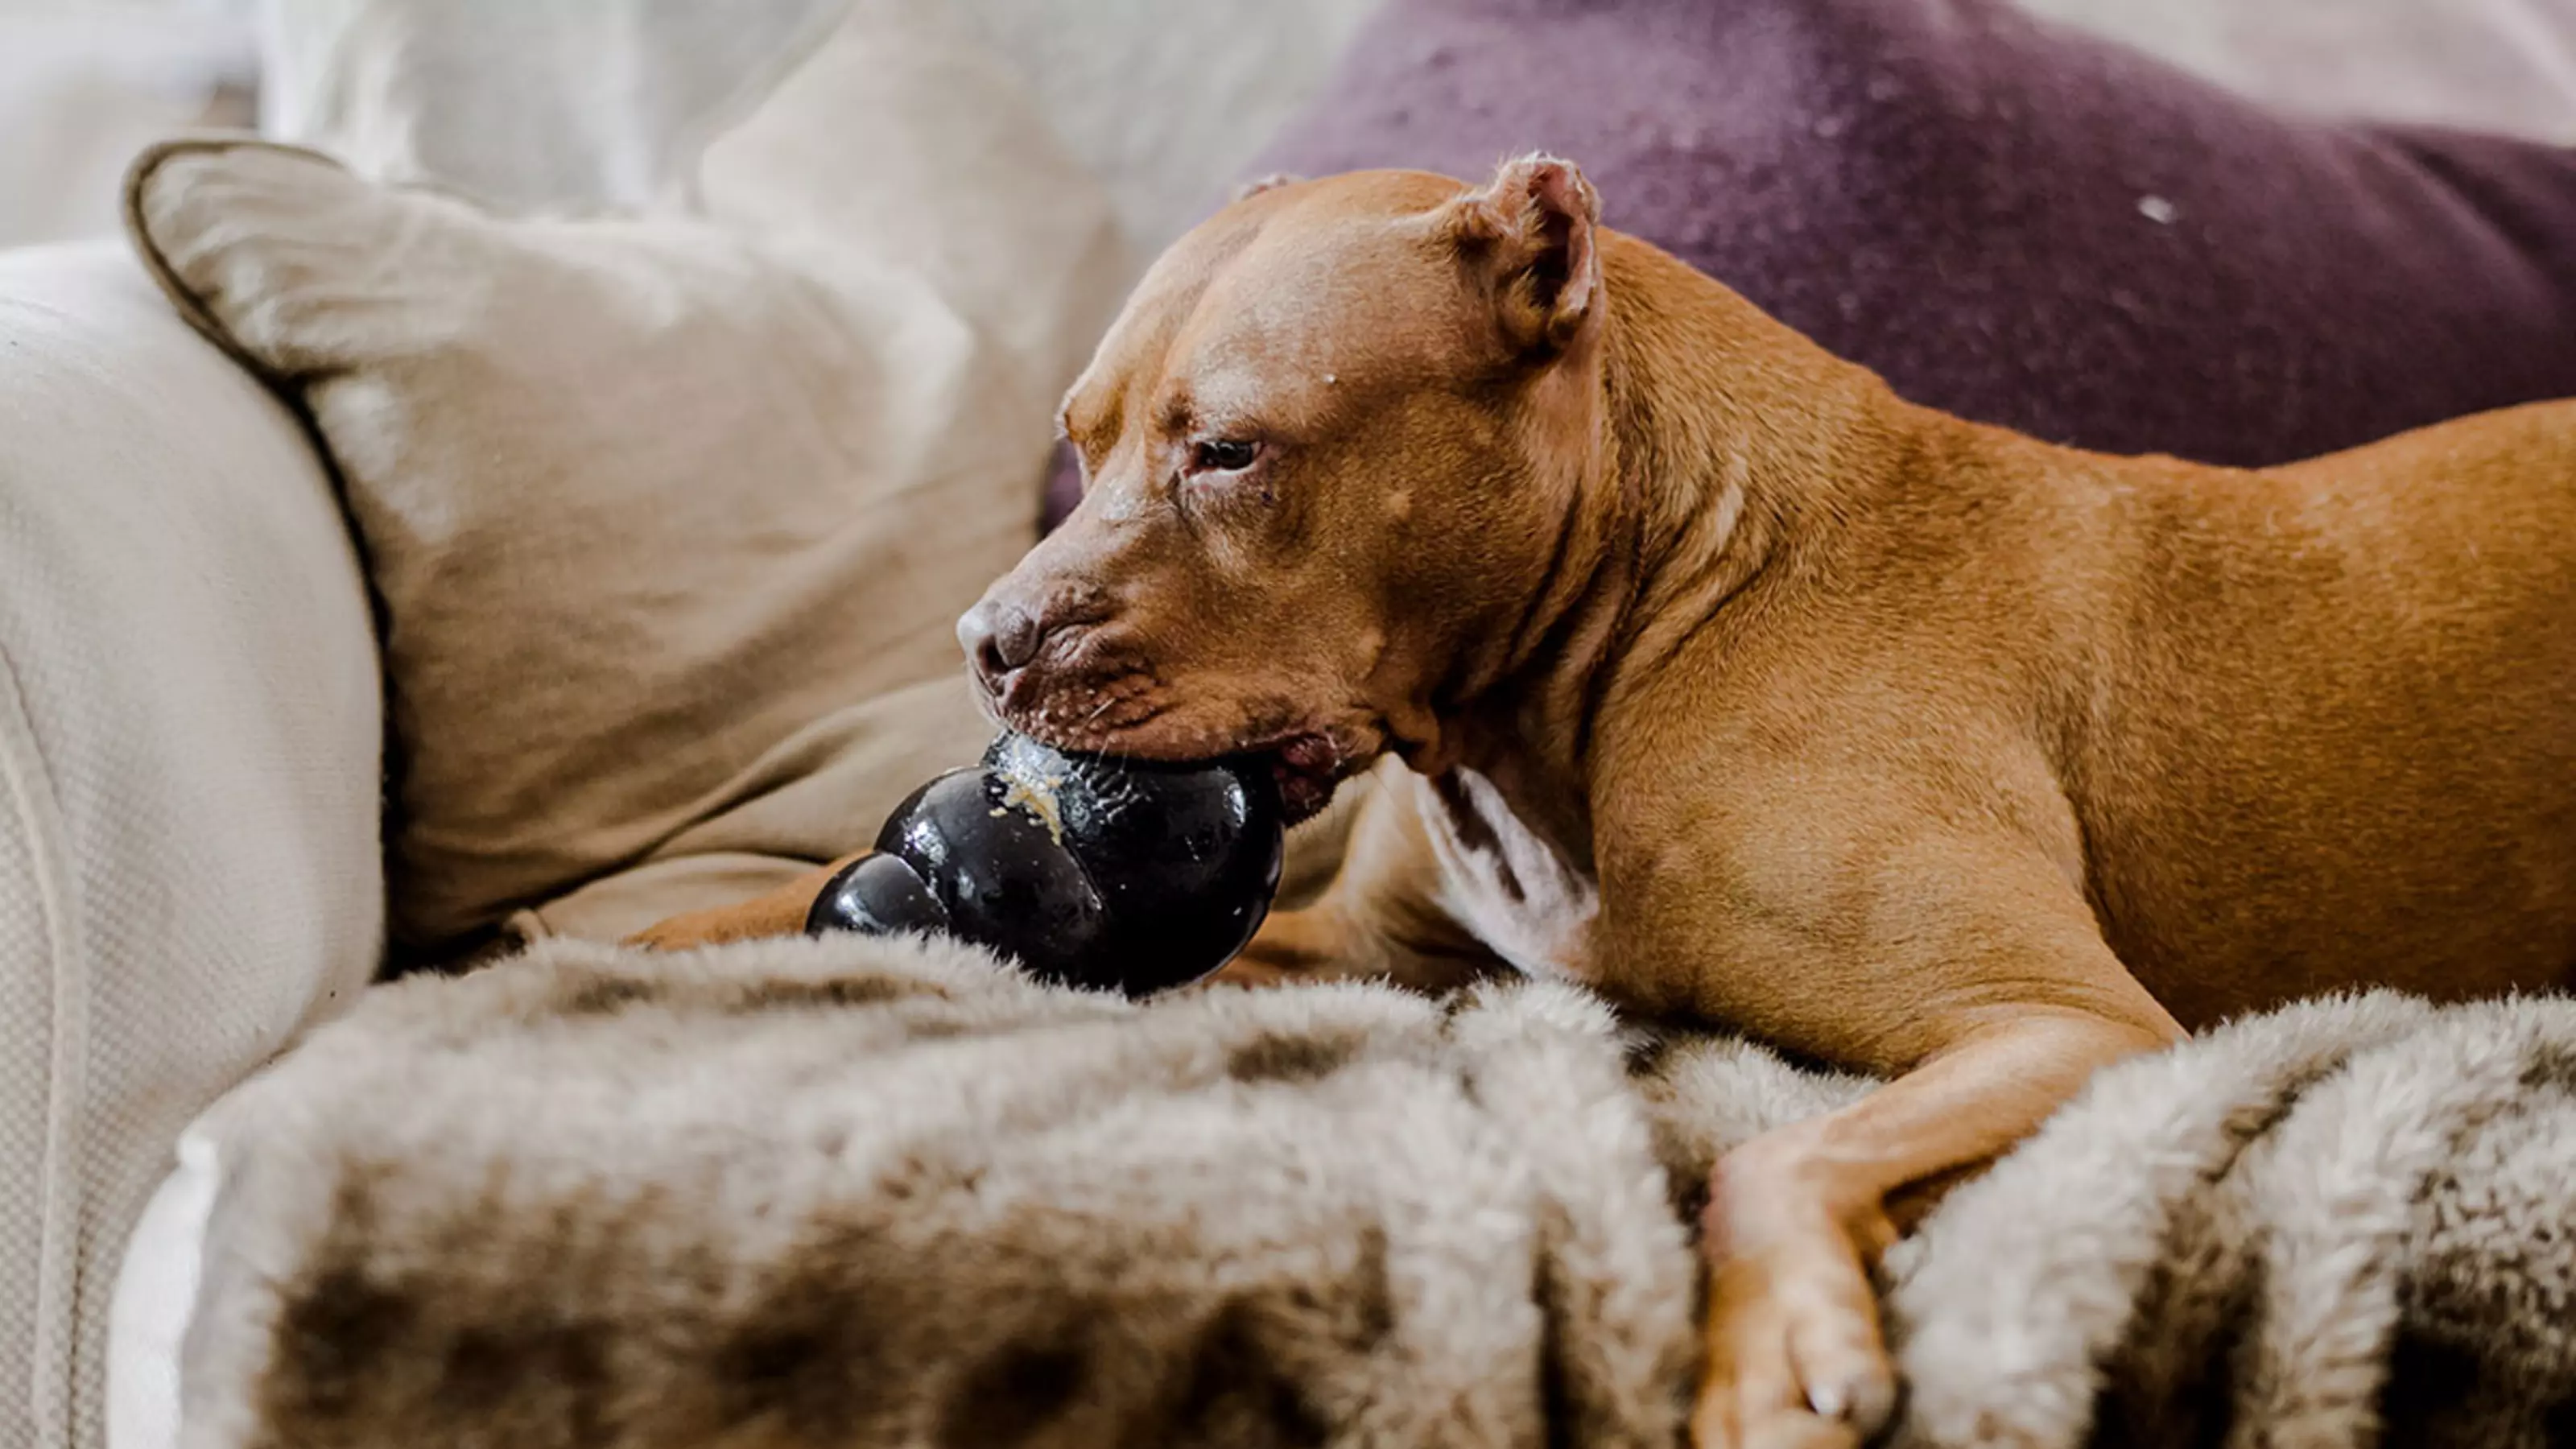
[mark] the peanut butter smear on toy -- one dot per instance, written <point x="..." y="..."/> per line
<point x="1030" y="790"/>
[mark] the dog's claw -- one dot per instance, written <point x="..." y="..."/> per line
<point x="1794" y="1354"/>
<point x="1843" y="1371"/>
<point x="1865" y="1401"/>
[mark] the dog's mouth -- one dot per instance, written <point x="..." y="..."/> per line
<point x="1307" y="757"/>
<point x="1308" y="767"/>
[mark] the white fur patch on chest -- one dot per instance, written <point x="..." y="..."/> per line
<point x="1507" y="883"/>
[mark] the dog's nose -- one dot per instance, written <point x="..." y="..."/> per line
<point x="998" y="638"/>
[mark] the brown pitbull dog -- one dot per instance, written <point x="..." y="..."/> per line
<point x="1736" y="687"/>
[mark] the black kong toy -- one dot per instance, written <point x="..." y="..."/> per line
<point x="1086" y="870"/>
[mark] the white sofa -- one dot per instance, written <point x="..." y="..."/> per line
<point x="190" y="718"/>
<point x="190" y="734"/>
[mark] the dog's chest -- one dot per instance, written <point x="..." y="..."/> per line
<point x="1514" y="887"/>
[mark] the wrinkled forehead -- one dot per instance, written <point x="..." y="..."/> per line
<point x="1268" y="303"/>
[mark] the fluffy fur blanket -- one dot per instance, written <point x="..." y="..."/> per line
<point x="857" y="1193"/>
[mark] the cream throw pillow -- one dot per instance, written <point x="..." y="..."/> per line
<point x="669" y="520"/>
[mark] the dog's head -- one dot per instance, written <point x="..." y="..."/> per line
<point x="1329" y="447"/>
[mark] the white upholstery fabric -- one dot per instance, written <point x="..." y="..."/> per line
<point x="608" y="102"/>
<point x="2496" y="65"/>
<point x="1168" y="100"/>
<point x="597" y="104"/>
<point x="85" y="83"/>
<point x="156" y="1300"/>
<point x="189" y="735"/>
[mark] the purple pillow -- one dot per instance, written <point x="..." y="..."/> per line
<point x="2006" y="219"/>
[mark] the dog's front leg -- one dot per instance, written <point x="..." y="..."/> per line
<point x="1795" y="1218"/>
<point x="780" y="912"/>
<point x="1870" y="923"/>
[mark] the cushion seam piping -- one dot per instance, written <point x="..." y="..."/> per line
<point x="36" y="806"/>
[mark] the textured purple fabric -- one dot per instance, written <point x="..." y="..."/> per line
<point x="2007" y="220"/>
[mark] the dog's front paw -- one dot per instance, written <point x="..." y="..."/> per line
<point x="1794" y="1356"/>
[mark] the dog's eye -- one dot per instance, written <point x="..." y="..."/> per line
<point x="1223" y="455"/>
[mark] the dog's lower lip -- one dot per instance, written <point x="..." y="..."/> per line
<point x="1307" y="767"/>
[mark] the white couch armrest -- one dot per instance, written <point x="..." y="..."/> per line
<point x="190" y="727"/>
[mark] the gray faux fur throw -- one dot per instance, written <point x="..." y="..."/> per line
<point x="854" y="1193"/>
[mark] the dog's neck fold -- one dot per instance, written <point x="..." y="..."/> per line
<point x="1724" y="447"/>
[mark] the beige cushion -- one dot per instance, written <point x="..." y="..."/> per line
<point x="671" y="519"/>
<point x="189" y="738"/>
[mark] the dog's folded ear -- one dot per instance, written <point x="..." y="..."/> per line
<point x="1530" y="232"/>
<point x="1260" y="184"/>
